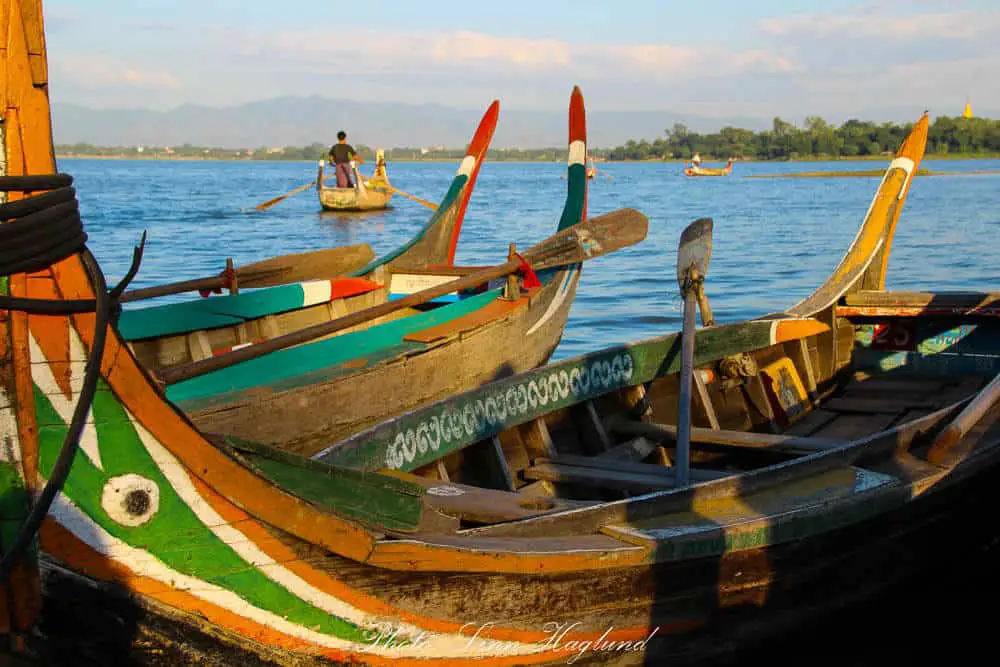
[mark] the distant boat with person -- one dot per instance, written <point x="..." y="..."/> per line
<point x="364" y="195"/>
<point x="697" y="170"/>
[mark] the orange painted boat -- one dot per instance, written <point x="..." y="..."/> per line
<point x="709" y="171"/>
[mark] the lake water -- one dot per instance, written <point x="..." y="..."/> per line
<point x="774" y="240"/>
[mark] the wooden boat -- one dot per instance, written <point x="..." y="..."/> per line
<point x="835" y="446"/>
<point x="501" y="526"/>
<point x="709" y="171"/>
<point x="407" y="357"/>
<point x="366" y="195"/>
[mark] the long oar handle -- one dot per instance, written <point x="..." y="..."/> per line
<point x="271" y="202"/>
<point x="587" y="240"/>
<point x="964" y="421"/>
<point x="175" y="288"/>
<point x="424" y="202"/>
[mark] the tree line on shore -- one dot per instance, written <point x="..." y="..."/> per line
<point x="784" y="141"/>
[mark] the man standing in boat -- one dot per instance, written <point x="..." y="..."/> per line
<point x="696" y="160"/>
<point x="341" y="155"/>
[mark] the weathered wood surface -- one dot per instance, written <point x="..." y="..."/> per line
<point x="591" y="238"/>
<point x="312" y="265"/>
<point x="725" y="438"/>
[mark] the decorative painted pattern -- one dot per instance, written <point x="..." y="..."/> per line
<point x="424" y="435"/>
<point x="486" y="414"/>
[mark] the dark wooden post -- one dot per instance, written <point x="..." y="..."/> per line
<point x="512" y="291"/>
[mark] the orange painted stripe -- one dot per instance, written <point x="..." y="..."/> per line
<point x="578" y="132"/>
<point x="51" y="333"/>
<point x="477" y="148"/>
<point x="341" y="288"/>
<point x="285" y="555"/>
<point x="796" y="329"/>
<point x="65" y="546"/>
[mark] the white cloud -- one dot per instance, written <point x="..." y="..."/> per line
<point x="96" y="71"/>
<point x="951" y="25"/>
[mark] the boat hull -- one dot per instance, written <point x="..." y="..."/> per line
<point x="469" y="352"/>
<point x="905" y="563"/>
<point x="352" y="199"/>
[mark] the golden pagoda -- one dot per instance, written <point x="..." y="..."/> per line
<point x="968" y="111"/>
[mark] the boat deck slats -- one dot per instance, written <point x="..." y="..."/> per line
<point x="792" y="511"/>
<point x="727" y="438"/>
<point x="847" y="427"/>
<point x="881" y="404"/>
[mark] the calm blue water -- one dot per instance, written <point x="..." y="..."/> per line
<point x="775" y="240"/>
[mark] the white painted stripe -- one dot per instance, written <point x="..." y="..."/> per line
<point x="432" y="644"/>
<point x="10" y="441"/>
<point x="468" y="164"/>
<point x="906" y="164"/>
<point x="315" y="291"/>
<point x="42" y="375"/>
<point x="557" y="301"/>
<point x="773" y="337"/>
<point x="577" y="152"/>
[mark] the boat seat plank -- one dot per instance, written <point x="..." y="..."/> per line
<point x="637" y="467"/>
<point x="473" y="503"/>
<point x="788" y="512"/>
<point x="727" y="438"/>
<point x="496" y="310"/>
<point x="628" y="479"/>
<point x="634" y="450"/>
<point x="892" y="386"/>
<point x="964" y="300"/>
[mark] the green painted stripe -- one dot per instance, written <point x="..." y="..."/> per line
<point x="13" y="494"/>
<point x="174" y="534"/>
<point x="443" y="209"/>
<point x="217" y="311"/>
<point x="311" y="357"/>
<point x="576" y="196"/>
<point x="383" y="502"/>
<point x="424" y="435"/>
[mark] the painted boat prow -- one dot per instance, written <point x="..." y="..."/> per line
<point x="435" y="244"/>
<point x="864" y="264"/>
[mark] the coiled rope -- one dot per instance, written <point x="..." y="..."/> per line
<point x="43" y="230"/>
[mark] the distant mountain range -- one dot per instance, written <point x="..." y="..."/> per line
<point x="299" y="121"/>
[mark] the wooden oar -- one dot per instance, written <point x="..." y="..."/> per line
<point x="271" y="202"/>
<point x="964" y="421"/>
<point x="589" y="239"/>
<point x="312" y="265"/>
<point x="693" y="254"/>
<point x="424" y="202"/>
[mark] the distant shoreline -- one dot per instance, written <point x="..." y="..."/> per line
<point x="866" y="158"/>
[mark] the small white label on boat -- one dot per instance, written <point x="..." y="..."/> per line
<point x="408" y="283"/>
<point x="445" y="491"/>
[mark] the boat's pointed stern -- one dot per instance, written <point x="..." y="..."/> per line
<point x="436" y="243"/>
<point x="575" y="208"/>
<point x="908" y="158"/>
<point x="864" y="264"/>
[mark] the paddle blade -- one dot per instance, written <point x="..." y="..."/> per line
<point x="589" y="239"/>
<point x="313" y="265"/>
<point x="271" y="202"/>
<point x="694" y="250"/>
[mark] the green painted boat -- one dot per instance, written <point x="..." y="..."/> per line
<point x="407" y="358"/>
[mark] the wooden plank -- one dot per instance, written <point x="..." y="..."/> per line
<point x="705" y="400"/>
<point x="798" y="352"/>
<point x="595" y="421"/>
<point x="636" y="467"/>
<point x="198" y="345"/>
<point x="634" y="450"/>
<point x="811" y="423"/>
<point x="757" y="395"/>
<point x="851" y="427"/>
<point x="663" y="478"/>
<point x="501" y="460"/>
<point x="495" y="310"/>
<point x="724" y="438"/>
<point x="876" y="404"/>
<point x="891" y="385"/>
<point x="537" y="440"/>
<point x="966" y="300"/>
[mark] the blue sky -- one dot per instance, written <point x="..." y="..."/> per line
<point x="879" y="59"/>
